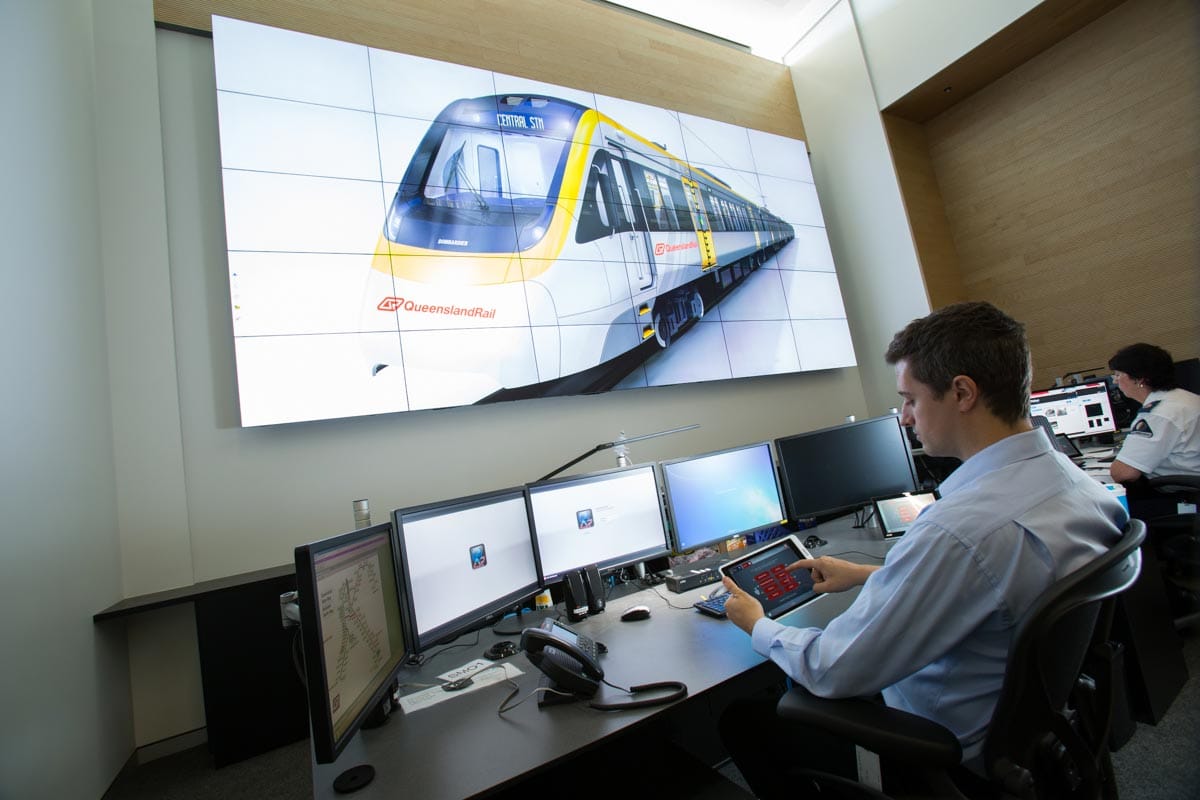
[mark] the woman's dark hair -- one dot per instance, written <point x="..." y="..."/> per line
<point x="1147" y="363"/>
<point x="973" y="339"/>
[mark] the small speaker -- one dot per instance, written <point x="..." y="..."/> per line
<point x="575" y="596"/>
<point x="593" y="584"/>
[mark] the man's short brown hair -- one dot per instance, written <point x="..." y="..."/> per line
<point x="974" y="339"/>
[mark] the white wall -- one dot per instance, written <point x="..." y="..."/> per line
<point x="906" y="42"/>
<point x="860" y="196"/>
<point x="64" y="684"/>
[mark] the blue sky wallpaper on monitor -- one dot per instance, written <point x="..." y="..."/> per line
<point x="718" y="495"/>
<point x="406" y="234"/>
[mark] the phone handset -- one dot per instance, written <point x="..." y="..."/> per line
<point x="568" y="659"/>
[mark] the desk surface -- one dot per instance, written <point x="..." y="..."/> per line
<point x="462" y="747"/>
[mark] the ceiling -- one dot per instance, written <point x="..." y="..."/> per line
<point x="769" y="28"/>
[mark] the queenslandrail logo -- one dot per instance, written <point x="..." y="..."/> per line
<point x="400" y="304"/>
<point x="662" y="248"/>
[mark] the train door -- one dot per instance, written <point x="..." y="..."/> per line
<point x="604" y="222"/>
<point x="708" y="253"/>
<point x="639" y="260"/>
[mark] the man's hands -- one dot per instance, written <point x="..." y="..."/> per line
<point x="828" y="574"/>
<point x="742" y="609"/>
<point x="831" y="574"/>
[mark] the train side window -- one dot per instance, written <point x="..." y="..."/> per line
<point x="683" y="213"/>
<point x="714" y="212"/>
<point x="668" y="204"/>
<point x="656" y="214"/>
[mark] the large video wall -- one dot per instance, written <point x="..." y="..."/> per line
<point x="409" y="234"/>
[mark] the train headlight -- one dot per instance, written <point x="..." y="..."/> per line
<point x="393" y="223"/>
<point x="530" y="236"/>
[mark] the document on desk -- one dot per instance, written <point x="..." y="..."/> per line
<point x="436" y="694"/>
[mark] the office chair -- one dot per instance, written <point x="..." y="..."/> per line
<point x="1176" y="539"/>
<point x="1048" y="737"/>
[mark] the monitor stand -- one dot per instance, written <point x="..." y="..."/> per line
<point x="354" y="779"/>
<point x="512" y="626"/>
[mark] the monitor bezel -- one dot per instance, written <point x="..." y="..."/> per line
<point x="464" y="623"/>
<point x="327" y="745"/>
<point x="831" y="511"/>
<point x="591" y="477"/>
<point x="669" y="505"/>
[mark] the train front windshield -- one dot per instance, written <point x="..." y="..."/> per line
<point x="478" y="190"/>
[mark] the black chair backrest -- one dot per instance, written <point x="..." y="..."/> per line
<point x="1032" y="719"/>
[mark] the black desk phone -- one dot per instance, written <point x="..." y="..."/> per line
<point x="569" y="659"/>
<point x="571" y="662"/>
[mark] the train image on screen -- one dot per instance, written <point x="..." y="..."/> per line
<point x="536" y="246"/>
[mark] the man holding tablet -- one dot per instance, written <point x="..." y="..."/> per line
<point x="932" y="625"/>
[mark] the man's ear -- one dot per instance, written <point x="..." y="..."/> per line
<point x="966" y="392"/>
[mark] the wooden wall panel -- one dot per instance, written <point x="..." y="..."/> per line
<point x="926" y="211"/>
<point x="569" y="42"/>
<point x="1045" y="25"/>
<point x="1070" y="186"/>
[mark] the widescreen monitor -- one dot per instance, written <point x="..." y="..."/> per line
<point x="840" y="468"/>
<point x="610" y="519"/>
<point x="715" y="496"/>
<point x="463" y="561"/>
<point x="1077" y="411"/>
<point x="352" y="631"/>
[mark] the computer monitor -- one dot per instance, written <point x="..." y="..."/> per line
<point x="1083" y="410"/>
<point x="714" y="496"/>
<point x="464" y="561"/>
<point x="351" y="630"/>
<point x="610" y="519"/>
<point x="837" y="469"/>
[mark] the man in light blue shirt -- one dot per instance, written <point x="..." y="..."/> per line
<point x="931" y="627"/>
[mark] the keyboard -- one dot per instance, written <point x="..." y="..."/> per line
<point x="713" y="606"/>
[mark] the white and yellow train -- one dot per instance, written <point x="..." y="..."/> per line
<point x="535" y="243"/>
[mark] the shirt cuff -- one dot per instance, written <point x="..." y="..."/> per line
<point x="763" y="634"/>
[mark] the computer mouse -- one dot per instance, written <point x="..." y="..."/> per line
<point x="634" y="613"/>
<point x="814" y="541"/>
<point x="500" y="650"/>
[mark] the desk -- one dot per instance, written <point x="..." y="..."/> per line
<point x="253" y="700"/>
<point x="462" y="747"/>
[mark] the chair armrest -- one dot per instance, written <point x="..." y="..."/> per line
<point x="1170" y="484"/>
<point x="888" y="732"/>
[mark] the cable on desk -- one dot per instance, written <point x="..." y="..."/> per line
<point x="450" y="647"/>
<point x="504" y="707"/>
<point x="854" y="552"/>
<point x="667" y="601"/>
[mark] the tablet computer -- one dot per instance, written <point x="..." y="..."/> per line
<point x="896" y="513"/>
<point x="763" y="574"/>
